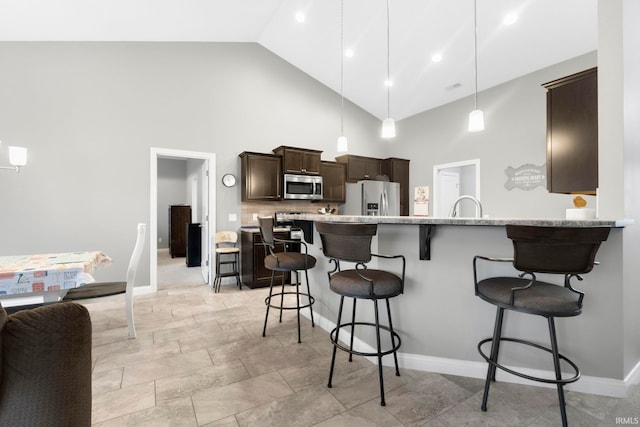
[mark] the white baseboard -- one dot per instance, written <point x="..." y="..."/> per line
<point x="474" y="369"/>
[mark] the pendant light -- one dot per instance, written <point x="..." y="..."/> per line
<point x="476" y="117"/>
<point x="343" y="145"/>
<point x="388" y="124"/>
<point x="17" y="158"/>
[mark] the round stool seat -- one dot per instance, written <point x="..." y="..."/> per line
<point x="289" y="261"/>
<point x="227" y="250"/>
<point x="541" y="298"/>
<point x="350" y="284"/>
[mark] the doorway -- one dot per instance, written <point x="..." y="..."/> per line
<point x="199" y="185"/>
<point x="452" y="180"/>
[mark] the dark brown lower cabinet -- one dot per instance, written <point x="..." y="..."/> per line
<point x="252" y="253"/>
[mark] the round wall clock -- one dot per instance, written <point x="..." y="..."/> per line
<point x="228" y="180"/>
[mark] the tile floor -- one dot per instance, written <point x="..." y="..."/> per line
<point x="200" y="360"/>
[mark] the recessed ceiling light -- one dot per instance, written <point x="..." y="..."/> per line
<point x="300" y="16"/>
<point x="510" y="18"/>
<point x="388" y="83"/>
<point x="436" y="57"/>
<point x="348" y="53"/>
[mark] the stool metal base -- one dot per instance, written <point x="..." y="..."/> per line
<point x="350" y="350"/>
<point x="562" y="381"/>
<point x="334" y="336"/>
<point x="492" y="360"/>
<point x="234" y="273"/>
<point x="281" y="306"/>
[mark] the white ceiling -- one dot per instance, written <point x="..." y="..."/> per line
<point x="546" y="32"/>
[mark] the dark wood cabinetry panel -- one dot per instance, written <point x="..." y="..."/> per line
<point x="360" y="167"/>
<point x="398" y="171"/>
<point x="572" y="133"/>
<point x="179" y="217"/>
<point x="334" y="176"/>
<point x="299" y="160"/>
<point x="261" y="176"/>
<point x="252" y="253"/>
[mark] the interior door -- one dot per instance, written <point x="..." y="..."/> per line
<point x="206" y="241"/>
<point x="448" y="192"/>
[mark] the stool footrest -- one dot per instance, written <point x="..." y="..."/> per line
<point x="563" y="381"/>
<point x="228" y="274"/>
<point x="332" y="336"/>
<point x="267" y="301"/>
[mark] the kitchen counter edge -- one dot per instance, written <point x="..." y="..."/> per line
<point x="424" y="220"/>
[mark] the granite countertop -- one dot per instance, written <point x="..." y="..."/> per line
<point x="256" y="229"/>
<point x="424" y="220"/>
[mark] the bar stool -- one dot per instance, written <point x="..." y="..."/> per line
<point x="226" y="246"/>
<point x="286" y="262"/>
<point x="566" y="251"/>
<point x="350" y="242"/>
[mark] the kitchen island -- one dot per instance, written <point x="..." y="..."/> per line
<point x="441" y="321"/>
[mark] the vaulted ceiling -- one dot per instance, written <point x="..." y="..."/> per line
<point x="544" y="33"/>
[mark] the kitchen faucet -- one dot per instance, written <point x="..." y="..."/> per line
<point x="453" y="212"/>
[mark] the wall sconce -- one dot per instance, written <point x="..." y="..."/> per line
<point x="17" y="158"/>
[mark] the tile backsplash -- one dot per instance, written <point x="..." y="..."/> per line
<point x="268" y="209"/>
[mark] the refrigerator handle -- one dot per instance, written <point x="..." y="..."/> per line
<point x="386" y="202"/>
<point x="384" y="207"/>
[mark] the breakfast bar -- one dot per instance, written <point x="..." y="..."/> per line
<point x="440" y="319"/>
<point x="427" y="224"/>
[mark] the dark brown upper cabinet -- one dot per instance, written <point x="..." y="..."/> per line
<point x="572" y="133"/>
<point x="261" y="176"/>
<point x="360" y="167"/>
<point x="398" y="171"/>
<point x="334" y="176"/>
<point x="299" y="160"/>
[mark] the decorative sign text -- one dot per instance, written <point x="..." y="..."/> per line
<point x="526" y="177"/>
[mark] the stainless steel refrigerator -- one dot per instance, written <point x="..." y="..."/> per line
<point x="377" y="198"/>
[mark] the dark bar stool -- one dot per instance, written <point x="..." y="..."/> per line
<point x="566" y="251"/>
<point x="286" y="262"/>
<point x="352" y="243"/>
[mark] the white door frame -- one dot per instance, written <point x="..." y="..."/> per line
<point x="437" y="169"/>
<point x="155" y="154"/>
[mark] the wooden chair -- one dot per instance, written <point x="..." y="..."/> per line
<point x="226" y="245"/>
<point x="104" y="289"/>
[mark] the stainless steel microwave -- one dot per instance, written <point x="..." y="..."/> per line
<point x="302" y="187"/>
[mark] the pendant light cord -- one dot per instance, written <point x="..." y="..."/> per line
<point x="341" y="67"/>
<point x="388" y="66"/>
<point x="475" y="50"/>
